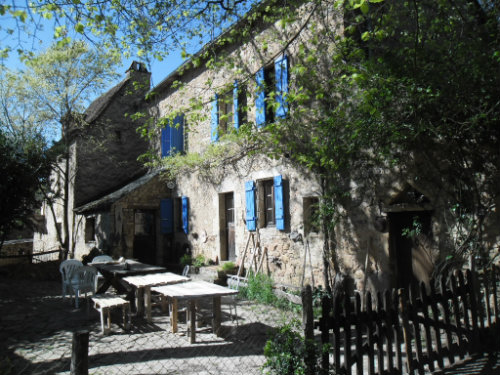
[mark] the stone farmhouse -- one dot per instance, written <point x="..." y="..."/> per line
<point x="125" y="210"/>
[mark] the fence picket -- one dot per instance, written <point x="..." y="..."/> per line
<point x="424" y="324"/>
<point x="389" y="322"/>
<point x="369" y="327"/>
<point x="427" y="327"/>
<point x="437" y="331"/>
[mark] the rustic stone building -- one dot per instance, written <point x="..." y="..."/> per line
<point x="102" y="156"/>
<point x="218" y="211"/>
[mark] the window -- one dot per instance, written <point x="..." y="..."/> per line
<point x="268" y="211"/>
<point x="311" y="215"/>
<point x="272" y="79"/>
<point x="89" y="229"/>
<point x="227" y="111"/>
<point x="268" y="203"/>
<point x="172" y="137"/>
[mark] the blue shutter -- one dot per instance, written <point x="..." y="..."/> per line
<point x="260" y="100"/>
<point x="279" y="209"/>
<point x="251" y="217"/>
<point x="166" y="216"/>
<point x="281" y="71"/>
<point x="185" y="214"/>
<point x="214" y="130"/>
<point x="236" y="108"/>
<point x="165" y="141"/>
<point x="177" y="135"/>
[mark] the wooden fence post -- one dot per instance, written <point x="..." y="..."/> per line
<point x="80" y="353"/>
<point x="308" y="326"/>
<point x="403" y="300"/>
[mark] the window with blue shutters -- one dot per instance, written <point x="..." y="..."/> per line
<point x="250" y="209"/>
<point x="268" y="79"/>
<point x="227" y="111"/>
<point x="270" y="203"/>
<point x="185" y="214"/>
<point x="166" y="216"/>
<point x="172" y="137"/>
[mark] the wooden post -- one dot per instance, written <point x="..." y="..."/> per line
<point x="308" y="326"/>
<point x="192" y="321"/>
<point x="80" y="353"/>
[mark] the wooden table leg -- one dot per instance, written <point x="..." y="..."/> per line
<point x="192" y="321"/>
<point x="147" y="291"/>
<point x="140" y="302"/>
<point x="216" y="315"/>
<point x="173" y="314"/>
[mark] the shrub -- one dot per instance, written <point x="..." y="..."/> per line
<point x="228" y="267"/>
<point x="186" y="260"/>
<point x="286" y="351"/>
<point x="199" y="261"/>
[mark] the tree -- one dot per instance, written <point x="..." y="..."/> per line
<point x="59" y="84"/>
<point x="24" y="165"/>
<point x="145" y="28"/>
<point x="410" y="89"/>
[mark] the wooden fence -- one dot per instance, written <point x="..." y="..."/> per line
<point x="398" y="332"/>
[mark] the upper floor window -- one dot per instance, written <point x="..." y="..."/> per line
<point x="172" y="137"/>
<point x="227" y="111"/>
<point x="272" y="79"/>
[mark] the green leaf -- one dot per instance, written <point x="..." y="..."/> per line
<point x="79" y="28"/>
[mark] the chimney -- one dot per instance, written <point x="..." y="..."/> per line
<point x="138" y="71"/>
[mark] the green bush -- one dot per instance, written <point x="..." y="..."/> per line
<point x="228" y="267"/>
<point x="286" y="351"/>
<point x="260" y="288"/>
<point x="186" y="260"/>
<point x="199" y="261"/>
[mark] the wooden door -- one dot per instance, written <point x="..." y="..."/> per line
<point x="144" y="236"/>
<point x="229" y="219"/>
<point x="406" y="231"/>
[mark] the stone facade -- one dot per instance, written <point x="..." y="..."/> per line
<point x="102" y="154"/>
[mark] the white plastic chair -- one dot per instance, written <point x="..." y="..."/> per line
<point x="83" y="282"/>
<point x="67" y="269"/>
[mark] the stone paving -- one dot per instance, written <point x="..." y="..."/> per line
<point x="36" y="328"/>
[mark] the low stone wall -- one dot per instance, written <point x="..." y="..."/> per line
<point x="16" y="252"/>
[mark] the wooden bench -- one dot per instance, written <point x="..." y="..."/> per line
<point x="104" y="303"/>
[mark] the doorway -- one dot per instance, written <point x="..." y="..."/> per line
<point x="228" y="245"/>
<point x="408" y="230"/>
<point x="144" y="236"/>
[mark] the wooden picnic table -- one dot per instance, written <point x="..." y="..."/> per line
<point x="192" y="291"/>
<point x="143" y="284"/>
<point x="114" y="272"/>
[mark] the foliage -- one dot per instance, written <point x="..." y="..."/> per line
<point x="260" y="288"/>
<point x="24" y="165"/>
<point x="286" y="351"/>
<point x="409" y="93"/>
<point x="186" y="260"/>
<point x="199" y="261"/>
<point x="57" y="86"/>
<point x="146" y="29"/>
<point x="228" y="267"/>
